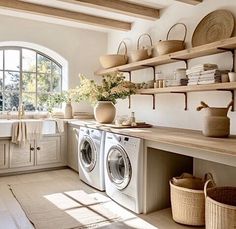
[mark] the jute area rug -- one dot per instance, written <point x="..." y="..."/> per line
<point x="66" y="204"/>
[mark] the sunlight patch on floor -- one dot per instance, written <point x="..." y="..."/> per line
<point x="62" y="201"/>
<point x="86" y="216"/>
<point x="87" y="199"/>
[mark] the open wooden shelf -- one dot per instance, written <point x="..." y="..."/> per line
<point x="187" y="54"/>
<point x="193" y="88"/>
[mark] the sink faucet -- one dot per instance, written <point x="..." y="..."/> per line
<point x="21" y="111"/>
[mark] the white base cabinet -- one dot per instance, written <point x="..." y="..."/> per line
<point x="22" y="155"/>
<point x="48" y="152"/>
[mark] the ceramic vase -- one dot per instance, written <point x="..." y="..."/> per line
<point x="104" y="112"/>
<point x="68" y="111"/>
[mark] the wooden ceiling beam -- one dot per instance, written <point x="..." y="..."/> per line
<point x="65" y="14"/>
<point x="192" y="2"/>
<point x="118" y="6"/>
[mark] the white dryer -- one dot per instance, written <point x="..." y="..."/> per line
<point x="124" y="170"/>
<point x="91" y="157"/>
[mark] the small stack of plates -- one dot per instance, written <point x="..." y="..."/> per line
<point x="83" y="115"/>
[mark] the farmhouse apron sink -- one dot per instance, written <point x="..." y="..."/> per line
<point x="49" y="127"/>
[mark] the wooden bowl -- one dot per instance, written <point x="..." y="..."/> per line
<point x="114" y="60"/>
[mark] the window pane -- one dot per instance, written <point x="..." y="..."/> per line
<point x="56" y="69"/>
<point x="1" y="80"/>
<point x="43" y="82"/>
<point x="44" y="64"/>
<point x="12" y="81"/>
<point x="29" y="100"/>
<point x="12" y="60"/>
<point x="56" y="83"/>
<point x="43" y="101"/>
<point x="28" y="60"/>
<point x="1" y="60"/>
<point x="11" y="100"/>
<point x="29" y="82"/>
<point x="1" y="102"/>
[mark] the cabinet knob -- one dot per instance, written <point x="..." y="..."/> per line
<point x="38" y="148"/>
<point x="31" y="148"/>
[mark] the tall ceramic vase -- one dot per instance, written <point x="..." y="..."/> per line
<point x="68" y="111"/>
<point x="104" y="112"/>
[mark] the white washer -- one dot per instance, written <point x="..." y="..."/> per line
<point x="91" y="157"/>
<point x="124" y="170"/>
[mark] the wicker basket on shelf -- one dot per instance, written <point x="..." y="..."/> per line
<point x="114" y="60"/>
<point x="220" y="207"/>
<point x="169" y="46"/>
<point x="188" y="200"/>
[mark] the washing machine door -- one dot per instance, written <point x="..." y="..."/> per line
<point x="118" y="167"/>
<point x="87" y="154"/>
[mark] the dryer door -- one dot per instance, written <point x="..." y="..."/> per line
<point x="87" y="154"/>
<point x="118" y="167"/>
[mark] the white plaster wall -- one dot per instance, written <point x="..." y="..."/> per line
<point x="81" y="48"/>
<point x="170" y="107"/>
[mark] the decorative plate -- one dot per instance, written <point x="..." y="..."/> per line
<point x="217" y="25"/>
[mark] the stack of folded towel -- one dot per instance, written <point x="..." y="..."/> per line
<point x="204" y="74"/>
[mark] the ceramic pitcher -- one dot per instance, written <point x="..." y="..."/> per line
<point x="215" y="122"/>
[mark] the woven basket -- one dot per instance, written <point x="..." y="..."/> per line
<point x="114" y="60"/>
<point x="142" y="53"/>
<point x="220" y="207"/>
<point x="188" y="205"/>
<point x="169" y="46"/>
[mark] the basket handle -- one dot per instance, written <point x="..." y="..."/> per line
<point x="185" y="28"/>
<point x="209" y="179"/>
<point x="145" y="34"/>
<point x="122" y="43"/>
<point x="230" y="104"/>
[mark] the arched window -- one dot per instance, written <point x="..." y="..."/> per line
<point x="27" y="76"/>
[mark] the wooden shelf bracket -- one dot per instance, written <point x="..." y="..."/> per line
<point x="180" y="59"/>
<point x="232" y="97"/>
<point x="154" y="70"/>
<point x="185" y="99"/>
<point x="233" y="56"/>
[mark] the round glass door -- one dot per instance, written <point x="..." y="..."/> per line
<point x="87" y="154"/>
<point x="118" y="167"/>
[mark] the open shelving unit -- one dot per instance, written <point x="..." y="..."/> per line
<point x="226" y="45"/>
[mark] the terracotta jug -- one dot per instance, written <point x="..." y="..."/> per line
<point x="215" y="123"/>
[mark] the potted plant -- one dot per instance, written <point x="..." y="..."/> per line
<point x="104" y="96"/>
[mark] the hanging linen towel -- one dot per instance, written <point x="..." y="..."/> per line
<point x="60" y="125"/>
<point x="34" y="129"/>
<point x="26" y="131"/>
<point x="18" y="133"/>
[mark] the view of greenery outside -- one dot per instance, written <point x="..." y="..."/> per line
<point x="29" y="75"/>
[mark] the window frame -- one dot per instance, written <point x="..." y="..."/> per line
<point x="21" y="72"/>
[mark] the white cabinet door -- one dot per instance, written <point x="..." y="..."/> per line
<point x="48" y="150"/>
<point x="22" y="155"/>
<point x="72" y="139"/>
<point x="4" y="154"/>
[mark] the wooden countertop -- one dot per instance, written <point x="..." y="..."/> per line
<point x="174" y="136"/>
